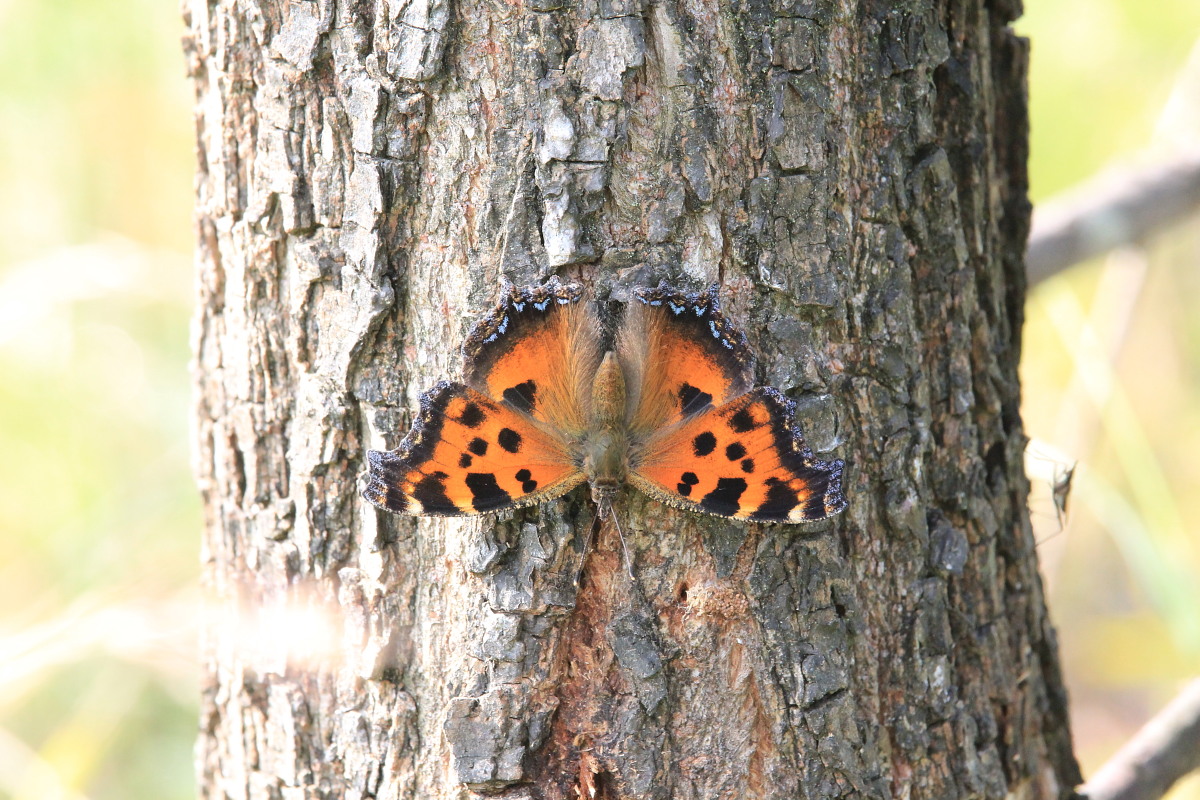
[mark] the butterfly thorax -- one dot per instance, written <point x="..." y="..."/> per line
<point x="605" y="447"/>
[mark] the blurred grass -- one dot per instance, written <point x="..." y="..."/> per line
<point x="1111" y="370"/>
<point x="100" y="519"/>
<point x="99" y="516"/>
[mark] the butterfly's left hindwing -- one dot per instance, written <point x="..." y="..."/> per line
<point x="466" y="455"/>
<point x="745" y="459"/>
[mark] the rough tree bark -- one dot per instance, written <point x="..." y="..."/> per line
<point x="854" y="176"/>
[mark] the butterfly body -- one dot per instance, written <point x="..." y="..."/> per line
<point x="547" y="405"/>
<point x="606" y="446"/>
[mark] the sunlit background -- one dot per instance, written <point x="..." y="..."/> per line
<point x="1111" y="370"/>
<point x="99" y="517"/>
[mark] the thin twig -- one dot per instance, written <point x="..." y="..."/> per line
<point x="1163" y="751"/>
<point x="1113" y="209"/>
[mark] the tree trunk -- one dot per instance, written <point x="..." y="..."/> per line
<point x="854" y="177"/>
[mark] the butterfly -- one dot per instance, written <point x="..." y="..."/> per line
<point x="550" y="400"/>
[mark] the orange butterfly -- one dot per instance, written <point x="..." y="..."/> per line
<point x="545" y="406"/>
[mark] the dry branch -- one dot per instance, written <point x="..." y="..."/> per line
<point x="1163" y="751"/>
<point x="1112" y="209"/>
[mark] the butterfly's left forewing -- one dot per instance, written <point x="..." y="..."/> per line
<point x="745" y="459"/>
<point x="537" y="353"/>
<point x="467" y="454"/>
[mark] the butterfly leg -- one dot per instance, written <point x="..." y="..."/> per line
<point x="624" y="547"/>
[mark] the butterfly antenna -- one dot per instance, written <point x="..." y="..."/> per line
<point x="624" y="547"/>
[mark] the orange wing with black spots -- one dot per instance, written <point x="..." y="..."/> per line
<point x="745" y="459"/>
<point x="537" y="352"/>
<point x="466" y="455"/>
<point x="681" y="357"/>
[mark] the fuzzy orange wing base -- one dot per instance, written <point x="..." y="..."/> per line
<point x="466" y="455"/>
<point x="745" y="459"/>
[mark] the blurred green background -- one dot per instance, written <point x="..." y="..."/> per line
<point x="99" y="515"/>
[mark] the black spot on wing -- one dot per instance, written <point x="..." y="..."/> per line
<point x="735" y="451"/>
<point x="522" y="397"/>
<point x="526" y="479"/>
<point x="472" y="416"/>
<point x="465" y="460"/>
<point x="748" y="466"/>
<point x="686" y="481"/>
<point x="704" y="443"/>
<point x="485" y="492"/>
<point x="509" y="439"/>
<point x="430" y="492"/>
<point x="781" y="499"/>
<point x="815" y="507"/>
<point x="692" y="399"/>
<point x="724" y="499"/>
<point x="742" y="421"/>
<point x="478" y="446"/>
